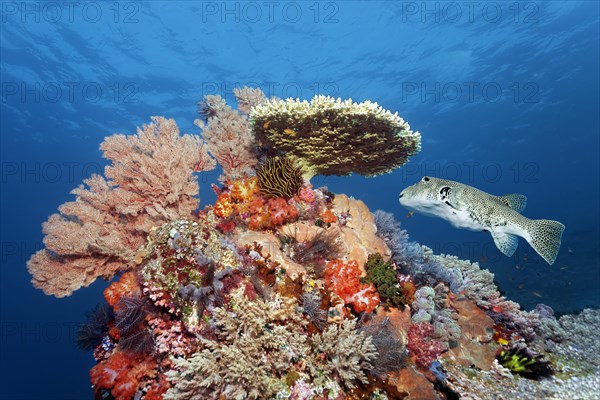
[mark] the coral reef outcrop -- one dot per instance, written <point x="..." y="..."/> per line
<point x="282" y="290"/>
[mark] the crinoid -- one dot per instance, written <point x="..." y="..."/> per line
<point x="311" y="307"/>
<point x="130" y="320"/>
<point x="90" y="334"/>
<point x="279" y="177"/>
<point x="520" y="360"/>
<point x="311" y="248"/>
<point x="391" y="351"/>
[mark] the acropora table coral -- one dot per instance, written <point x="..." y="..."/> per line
<point x="280" y="289"/>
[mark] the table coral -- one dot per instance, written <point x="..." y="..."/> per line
<point x="335" y="137"/>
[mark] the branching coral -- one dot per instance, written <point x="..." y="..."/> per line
<point x="335" y="137"/>
<point x="250" y="331"/>
<point x="349" y="353"/>
<point x="150" y="181"/>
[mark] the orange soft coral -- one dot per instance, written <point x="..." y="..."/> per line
<point x="126" y="286"/>
<point x="344" y="280"/>
<point x="223" y="206"/>
<point x="122" y="374"/>
<point x="329" y="217"/>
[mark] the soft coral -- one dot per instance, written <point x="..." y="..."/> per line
<point x="422" y="346"/>
<point x="344" y="280"/>
<point x="122" y="374"/>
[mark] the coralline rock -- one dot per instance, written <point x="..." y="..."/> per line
<point x="499" y="384"/>
<point x="475" y="346"/>
<point x="412" y="385"/>
<point x="359" y="237"/>
<point x="399" y="321"/>
<point x="270" y="246"/>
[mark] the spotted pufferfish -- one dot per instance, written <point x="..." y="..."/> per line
<point x="469" y="208"/>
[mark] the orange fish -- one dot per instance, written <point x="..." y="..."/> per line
<point x="290" y="132"/>
<point x="266" y="124"/>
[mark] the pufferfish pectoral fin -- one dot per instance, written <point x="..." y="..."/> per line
<point x="516" y="202"/>
<point x="505" y="242"/>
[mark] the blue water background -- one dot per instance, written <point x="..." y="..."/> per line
<point x="505" y="94"/>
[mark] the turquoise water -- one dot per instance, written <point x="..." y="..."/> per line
<point x="505" y="95"/>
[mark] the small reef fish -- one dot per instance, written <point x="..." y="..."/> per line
<point x="410" y="214"/>
<point x="290" y="132"/>
<point x="266" y="124"/>
<point x="469" y="208"/>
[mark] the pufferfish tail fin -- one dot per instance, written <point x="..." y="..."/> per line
<point x="545" y="236"/>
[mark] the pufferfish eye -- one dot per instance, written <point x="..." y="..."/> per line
<point x="425" y="179"/>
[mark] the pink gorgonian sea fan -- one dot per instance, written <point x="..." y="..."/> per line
<point x="150" y="181"/>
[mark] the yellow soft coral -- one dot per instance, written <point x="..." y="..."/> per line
<point x="243" y="190"/>
<point x="223" y="206"/>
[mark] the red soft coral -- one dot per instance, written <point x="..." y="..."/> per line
<point x="122" y="374"/>
<point x="344" y="280"/>
<point x="307" y="195"/>
<point x="281" y="212"/>
<point x="158" y="389"/>
<point x="422" y="346"/>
